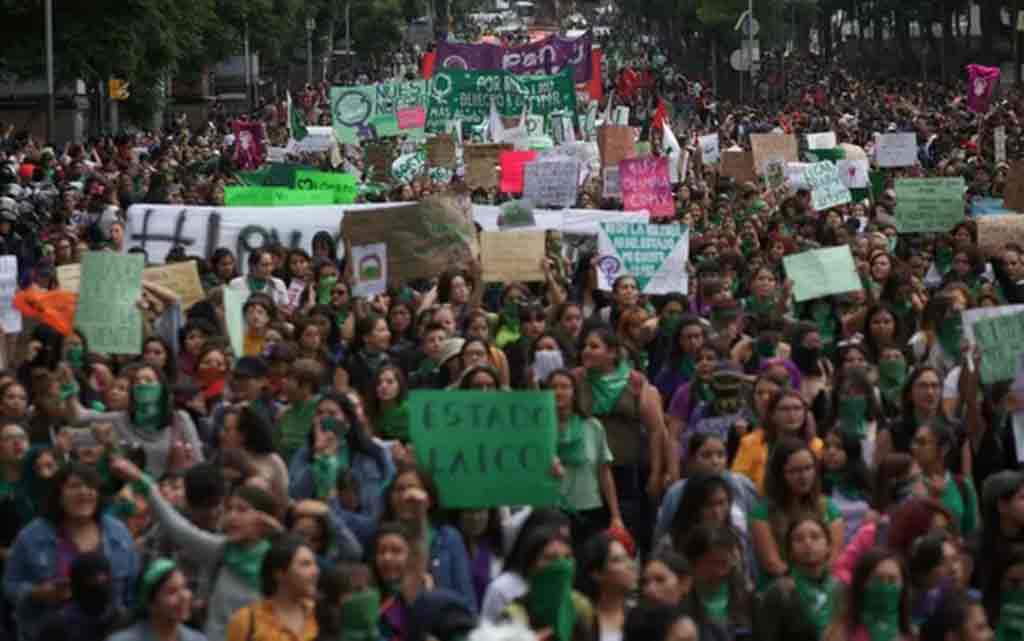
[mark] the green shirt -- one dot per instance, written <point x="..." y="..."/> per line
<point x="294" y="426"/>
<point x="762" y="511"/>
<point x="581" y="489"/>
<point x="963" y="505"/>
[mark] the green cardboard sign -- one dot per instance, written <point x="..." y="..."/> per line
<point x="276" y="197"/>
<point x="344" y="186"/>
<point x="1001" y="340"/>
<point x="821" y="272"/>
<point x="110" y="287"/>
<point x="369" y="111"/>
<point x="486" y="449"/>
<point x="929" y="204"/>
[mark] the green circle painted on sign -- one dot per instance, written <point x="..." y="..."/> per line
<point x="352" y="108"/>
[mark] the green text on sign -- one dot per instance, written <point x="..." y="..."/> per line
<point x="486" y="449"/>
<point x="1001" y="340"/>
<point x="929" y="204"/>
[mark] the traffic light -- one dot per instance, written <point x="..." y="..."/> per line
<point x="118" y="89"/>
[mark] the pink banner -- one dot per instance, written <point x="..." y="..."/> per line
<point x="513" y="166"/>
<point x="249" y="150"/>
<point x="981" y="82"/>
<point x="412" y="118"/>
<point x="645" y="185"/>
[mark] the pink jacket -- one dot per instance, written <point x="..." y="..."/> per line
<point x="842" y="567"/>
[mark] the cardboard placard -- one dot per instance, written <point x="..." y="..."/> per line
<point x="768" y="146"/>
<point x="378" y="161"/>
<point x="896" y="150"/>
<point x="422" y="239"/>
<point x="551" y="183"/>
<point x="1013" y="197"/>
<point x="512" y="256"/>
<point x="994" y="232"/>
<point x="441" y="151"/>
<point x="482" y="163"/>
<point x="616" y="144"/>
<point x="739" y="165"/>
<point x="181" y="278"/>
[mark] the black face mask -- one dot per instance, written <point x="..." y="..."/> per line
<point x="96" y="599"/>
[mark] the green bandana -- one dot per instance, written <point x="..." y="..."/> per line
<point x="571" y="444"/>
<point x="508" y="325"/>
<point x="324" y="289"/>
<point x="892" y="374"/>
<point x="702" y="391"/>
<point x="760" y="306"/>
<point x="607" y="389"/>
<point x="360" y="612"/>
<point x="881" y="614"/>
<point x="549" y="600"/>
<point x="764" y="347"/>
<point x="687" y="367"/>
<point x="950" y="332"/>
<point x="669" y="324"/>
<point x="716" y="603"/>
<point x="393" y="423"/>
<point x="817" y="597"/>
<point x="1011" y="616"/>
<point x="257" y="284"/>
<point x="146" y="408"/>
<point x="76" y="356"/>
<point x="825" y="322"/>
<point x="903" y="308"/>
<point x="852" y="413"/>
<point x="943" y="259"/>
<point x="325" y="470"/>
<point x="246" y="560"/>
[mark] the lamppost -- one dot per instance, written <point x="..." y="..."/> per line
<point x="51" y="108"/>
<point x="310" y="28"/>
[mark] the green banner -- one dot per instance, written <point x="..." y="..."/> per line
<point x="110" y="288"/>
<point x="486" y="449"/>
<point x="1001" y="340"/>
<point x="467" y="96"/>
<point x="383" y="110"/>
<point x="344" y="186"/>
<point x="821" y="272"/>
<point x="275" y="197"/>
<point x="929" y="204"/>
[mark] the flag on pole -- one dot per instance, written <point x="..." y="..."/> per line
<point x="981" y="82"/>
<point x="495" y="127"/>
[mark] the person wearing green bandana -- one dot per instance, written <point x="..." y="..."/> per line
<point x="167" y="436"/>
<point x="301" y="389"/>
<point x="236" y="553"/>
<point x="75" y="350"/>
<point x="513" y="297"/>
<point x="626" y="405"/>
<point x="588" y="487"/>
<point x="892" y="376"/>
<point x="766" y="299"/>
<point x="809" y="595"/>
<point x="875" y="606"/>
<point x="938" y="342"/>
<point x="686" y="344"/>
<point x="348" y="605"/>
<point x="388" y="405"/>
<point x="370" y="351"/>
<point x="721" y="600"/>
<point x="164" y="606"/>
<point x="260" y="279"/>
<point x="931" y="446"/>
<point x="550" y="605"/>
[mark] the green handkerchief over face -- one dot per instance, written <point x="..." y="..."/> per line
<point x="324" y="289"/>
<point x="816" y="596"/>
<point x="607" y="389"/>
<point x="549" y="600"/>
<point x="892" y="374"/>
<point x="146" y="406"/>
<point x="950" y="333"/>
<point x="1011" y="616"/>
<point x="359" y="615"/>
<point x="852" y="414"/>
<point x="881" y="614"/>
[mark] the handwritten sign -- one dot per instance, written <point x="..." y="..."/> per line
<point x="482" y="163"/>
<point x="512" y="256"/>
<point x="827" y="190"/>
<point x="181" y="278"/>
<point x="824" y="140"/>
<point x="551" y="183"/>
<point x="655" y="255"/>
<point x="768" y="146"/>
<point x="107" y="314"/>
<point x="896" y="150"/>
<point x="1001" y="340"/>
<point x="709" y="150"/>
<point x="616" y="144"/>
<point x="738" y="165"/>
<point x="994" y="232"/>
<point x="929" y="204"/>
<point x="486" y="449"/>
<point x="441" y="151"/>
<point x="373" y="111"/>
<point x="1013" y="197"/>
<point x="612" y="188"/>
<point x="645" y="185"/>
<point x="10" y="317"/>
<point x="821" y="272"/>
<point x="999" y="141"/>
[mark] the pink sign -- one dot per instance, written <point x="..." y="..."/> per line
<point x="645" y="185"/>
<point x="412" y="118"/>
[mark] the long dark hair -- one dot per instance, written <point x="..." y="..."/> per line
<point x="862" y="572"/>
<point x="278" y="558"/>
<point x="257" y="432"/>
<point x="776" y="486"/>
<point x="592" y="558"/>
<point x="676" y="353"/>
<point x="88" y="475"/>
<point x="695" y="496"/>
<point x="170" y="369"/>
<point x="855" y="471"/>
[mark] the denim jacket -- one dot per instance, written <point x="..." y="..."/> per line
<point x="449" y="564"/>
<point x="33" y="560"/>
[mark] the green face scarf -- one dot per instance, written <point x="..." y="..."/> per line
<point x="607" y="389"/>
<point x="324" y="289"/>
<point x="853" y="411"/>
<point x="1011" y="616"/>
<point x="816" y="596"/>
<point x="687" y="367"/>
<point x="716" y="603"/>
<point x="509" y="317"/>
<point x="881" y="614"/>
<point x="76" y="356"/>
<point x="257" y="284"/>
<point x="903" y="308"/>
<point x="393" y="423"/>
<point x="146" y="409"/>
<point x="572" y="450"/>
<point x="246" y="560"/>
<point x="549" y="600"/>
<point x="765" y="347"/>
<point x="359" y="615"/>
<point x="950" y="332"/>
<point x="670" y="323"/>
<point x="825" y="322"/>
<point x="943" y="259"/>
<point x="892" y="374"/>
<point x="325" y="470"/>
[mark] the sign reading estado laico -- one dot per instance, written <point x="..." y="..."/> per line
<point x="486" y="449"/>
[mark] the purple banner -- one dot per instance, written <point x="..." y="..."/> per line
<point x="547" y="56"/>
